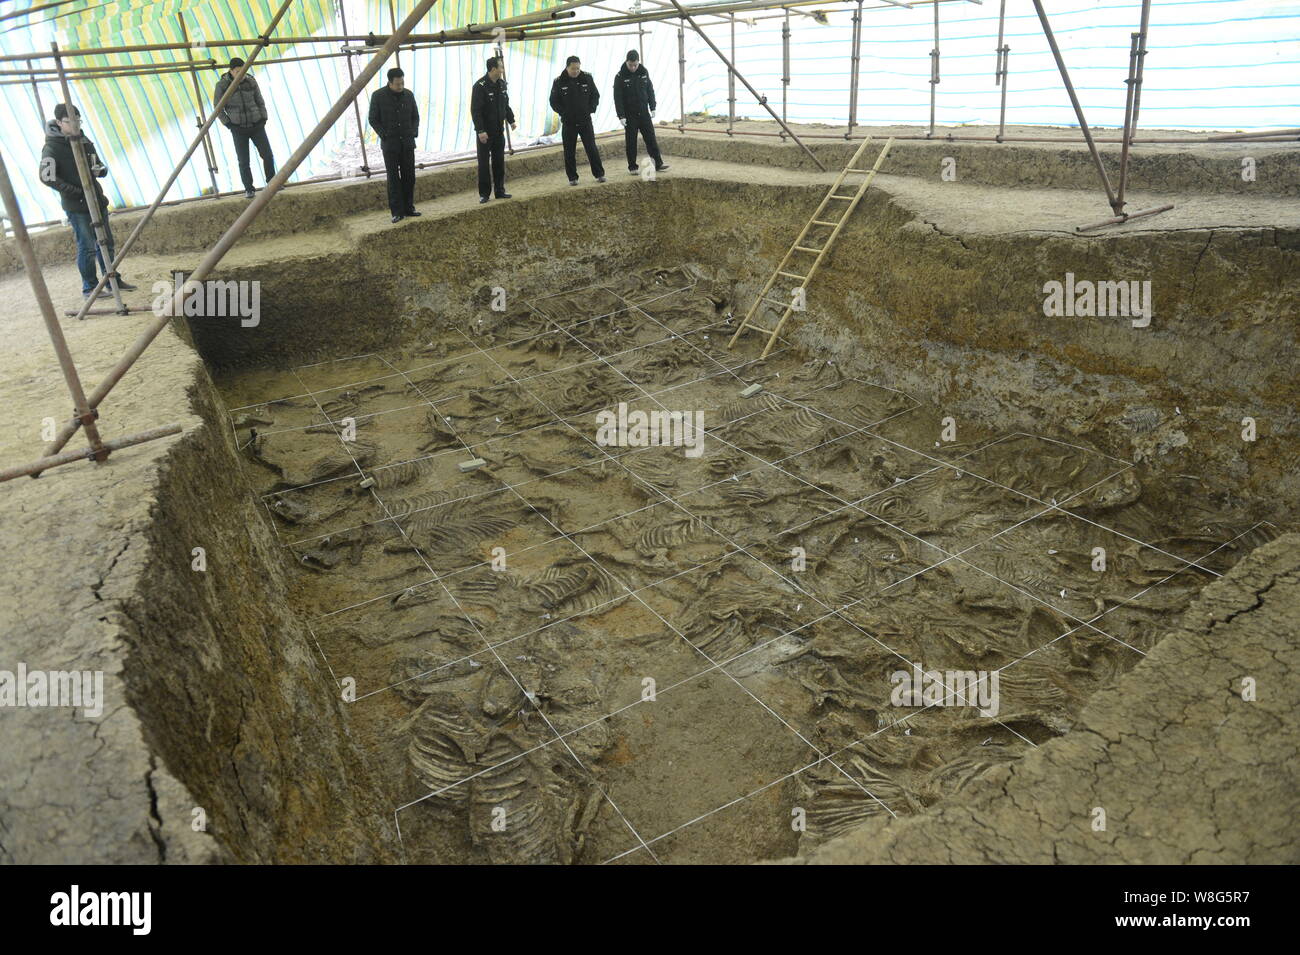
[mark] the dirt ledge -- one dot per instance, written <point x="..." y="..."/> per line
<point x="212" y="698"/>
<point x="1186" y="771"/>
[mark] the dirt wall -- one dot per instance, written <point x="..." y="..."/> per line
<point x="226" y="679"/>
<point x="1190" y="168"/>
<point x="956" y="319"/>
<point x="212" y="699"/>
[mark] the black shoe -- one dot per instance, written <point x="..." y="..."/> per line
<point x="397" y="219"/>
<point x="482" y="199"/>
<point x="503" y="195"/>
<point x="125" y="286"/>
<point x="662" y="168"/>
<point x="573" y="182"/>
<point x="414" y="212"/>
<point x="103" y="293"/>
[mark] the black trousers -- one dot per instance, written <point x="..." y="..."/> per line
<point x="570" y="130"/>
<point x="643" y="124"/>
<point x="243" y="135"/>
<point x="399" y="164"/>
<point x="492" y="164"/>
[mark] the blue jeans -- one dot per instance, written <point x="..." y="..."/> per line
<point x="243" y="135"/>
<point x="84" y="230"/>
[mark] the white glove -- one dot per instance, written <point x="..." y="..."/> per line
<point x="622" y="122"/>
<point x="652" y="116"/>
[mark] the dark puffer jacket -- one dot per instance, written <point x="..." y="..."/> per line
<point x="574" y="98"/>
<point x="634" y="93"/>
<point x="245" y="108"/>
<point x="59" y="169"/>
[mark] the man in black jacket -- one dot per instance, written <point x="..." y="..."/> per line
<point x="634" y="101"/>
<point x="396" y="119"/>
<point x="489" y="107"/>
<point x="574" y="96"/>
<point x="245" y="116"/>
<point x="59" y="172"/>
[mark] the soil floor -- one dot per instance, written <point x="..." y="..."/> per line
<point x="1134" y="703"/>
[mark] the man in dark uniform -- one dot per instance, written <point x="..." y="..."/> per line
<point x="634" y="101"/>
<point x="489" y="106"/>
<point x="59" y="172"/>
<point x="574" y="96"/>
<point x="396" y="119"/>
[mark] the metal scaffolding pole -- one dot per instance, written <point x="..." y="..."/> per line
<point x="934" y="68"/>
<point x="356" y="108"/>
<point x="103" y="72"/>
<point x="855" y="59"/>
<point x="251" y="212"/>
<point x="731" y="81"/>
<point x="1074" y="99"/>
<point x="1277" y="136"/>
<point x="81" y="409"/>
<point x="122" y="250"/>
<point x="34" y="468"/>
<point x="1000" y="72"/>
<point x="36" y="93"/>
<point x="762" y="100"/>
<point x="392" y="23"/>
<point x="89" y="188"/>
<point x="208" y="151"/>
<point x="1132" y="98"/>
<point x="640" y="29"/>
<point x="500" y="53"/>
<point x="557" y="12"/>
<point x="681" y="75"/>
<point x="785" y="67"/>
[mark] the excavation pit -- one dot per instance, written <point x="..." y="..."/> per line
<point x="515" y="695"/>
<point x="592" y="651"/>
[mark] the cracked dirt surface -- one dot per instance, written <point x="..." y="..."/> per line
<point x="1184" y="768"/>
<point x="97" y="576"/>
<point x="77" y="789"/>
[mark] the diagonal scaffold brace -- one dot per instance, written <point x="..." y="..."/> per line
<point x="762" y="100"/>
<point x="245" y="219"/>
<point x="199" y="137"/>
<point x="81" y="409"/>
<point x="1113" y="198"/>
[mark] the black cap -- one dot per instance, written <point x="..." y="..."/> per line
<point x="61" y="111"/>
<point x="633" y="55"/>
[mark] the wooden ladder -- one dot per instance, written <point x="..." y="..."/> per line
<point x="819" y="219"/>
